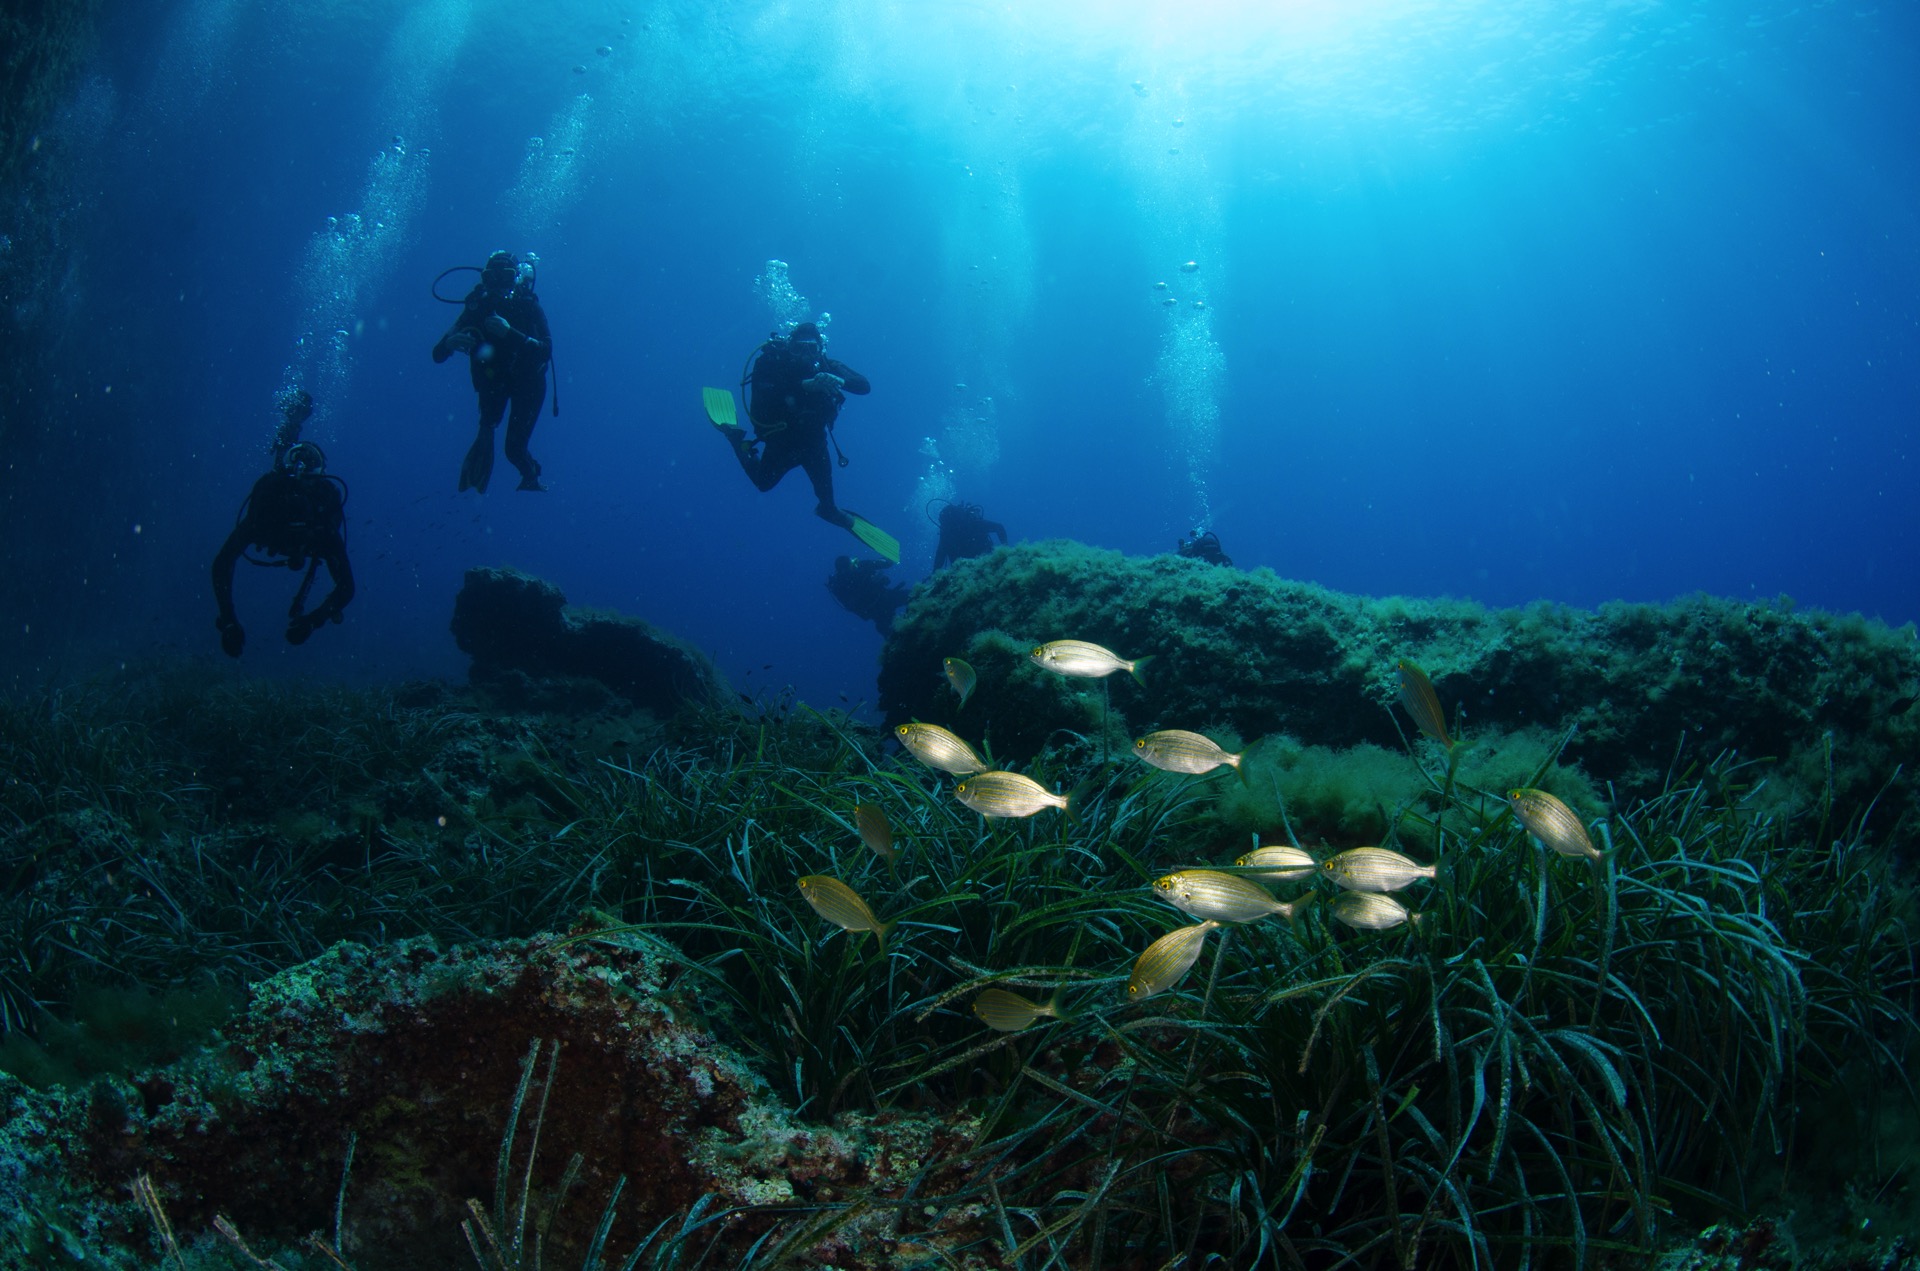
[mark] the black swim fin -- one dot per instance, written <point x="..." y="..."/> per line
<point x="477" y="469"/>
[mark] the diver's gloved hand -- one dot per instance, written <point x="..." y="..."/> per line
<point x="462" y="341"/>
<point x="824" y="382"/>
<point x="498" y="327"/>
<point x="232" y="637"/>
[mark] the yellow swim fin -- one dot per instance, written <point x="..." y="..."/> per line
<point x="719" y="403"/>
<point x="875" y="537"/>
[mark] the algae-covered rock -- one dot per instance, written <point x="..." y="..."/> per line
<point x="1251" y="654"/>
<point x="417" y="1052"/>
<point x="530" y="646"/>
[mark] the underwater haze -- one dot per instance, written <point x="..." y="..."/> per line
<point x="1500" y="299"/>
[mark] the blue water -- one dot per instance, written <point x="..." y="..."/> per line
<point x="1507" y="300"/>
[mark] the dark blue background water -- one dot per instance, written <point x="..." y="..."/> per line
<point x="1510" y="300"/>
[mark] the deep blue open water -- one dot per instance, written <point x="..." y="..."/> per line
<point x="1500" y="299"/>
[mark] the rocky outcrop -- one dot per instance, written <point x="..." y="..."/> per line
<point x="417" y="1052"/>
<point x="1830" y="697"/>
<point x="530" y="647"/>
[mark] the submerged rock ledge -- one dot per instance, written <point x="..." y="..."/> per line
<point x="420" y="1050"/>
<point x="1251" y="653"/>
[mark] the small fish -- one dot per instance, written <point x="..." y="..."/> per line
<point x="875" y="832"/>
<point x="1218" y="897"/>
<point x="1176" y="750"/>
<point x="1373" y="869"/>
<point x="961" y="676"/>
<point x="1419" y="700"/>
<point x="1167" y="960"/>
<point x="1552" y="822"/>
<point x="1007" y="794"/>
<point x="1370" y="911"/>
<point x="1006" y="1011"/>
<point x="841" y="905"/>
<point x="1278" y="864"/>
<point x="1085" y="661"/>
<point x="935" y="747"/>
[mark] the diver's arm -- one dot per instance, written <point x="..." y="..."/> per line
<point x="538" y="332"/>
<point x="994" y="527"/>
<point x="459" y="338"/>
<point x="851" y="381"/>
<point x="331" y="552"/>
<point x="334" y="556"/>
<point x="232" y="636"/>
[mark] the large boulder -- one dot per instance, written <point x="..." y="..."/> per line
<point x="524" y="639"/>
<point x="416" y="1052"/>
<point x="1248" y="653"/>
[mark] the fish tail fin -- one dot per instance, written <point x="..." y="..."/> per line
<point x="1139" y="669"/>
<point x="1297" y="910"/>
<point x="880" y="934"/>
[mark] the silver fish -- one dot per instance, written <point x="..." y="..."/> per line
<point x="1208" y="893"/>
<point x="1278" y="864"/>
<point x="935" y="747"/>
<point x="1006" y="1011"/>
<point x="1176" y="750"/>
<point x="961" y="676"/>
<point x="1370" y="911"/>
<point x="1084" y="660"/>
<point x="1552" y="822"/>
<point x="1006" y="794"/>
<point x="842" y="906"/>
<point x="1167" y="960"/>
<point x="1373" y="869"/>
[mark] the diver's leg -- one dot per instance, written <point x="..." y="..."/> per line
<point x="477" y="469"/>
<point x="528" y="397"/>
<point x="775" y="460"/>
<point x="820" y="472"/>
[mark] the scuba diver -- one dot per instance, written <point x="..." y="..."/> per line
<point x="965" y="532"/>
<point x="1206" y="547"/>
<point x="794" y="393"/>
<point x="864" y="590"/>
<point x="503" y="331"/>
<point x="296" y="512"/>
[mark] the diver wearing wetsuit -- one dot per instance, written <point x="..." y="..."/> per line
<point x="795" y="394"/>
<point x="296" y="512"/>
<point x="503" y="330"/>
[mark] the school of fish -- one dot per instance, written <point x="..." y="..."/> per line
<point x="1363" y="877"/>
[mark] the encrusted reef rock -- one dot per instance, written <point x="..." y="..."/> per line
<point x="1254" y="654"/>
<point x="527" y="643"/>
<point x="418" y="1052"/>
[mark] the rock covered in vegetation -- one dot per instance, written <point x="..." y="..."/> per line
<point x="1253" y="654"/>
<point x="418" y="1052"/>
<point x="523" y="636"/>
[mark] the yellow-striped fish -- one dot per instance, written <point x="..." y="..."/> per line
<point x="1210" y="894"/>
<point x="1006" y="1011"/>
<point x="1370" y="911"/>
<point x="1419" y="700"/>
<point x="1167" y="960"/>
<point x="1007" y="794"/>
<point x="961" y="676"/>
<point x="1176" y="750"/>
<point x="1373" y="869"/>
<point x="871" y="821"/>
<point x="1552" y="822"/>
<point x="1084" y="660"/>
<point x="841" y="905"/>
<point x="935" y="747"/>
<point x="1278" y="863"/>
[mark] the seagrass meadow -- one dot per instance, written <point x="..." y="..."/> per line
<point x="305" y="976"/>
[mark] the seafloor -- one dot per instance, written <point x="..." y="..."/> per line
<point x="518" y="973"/>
